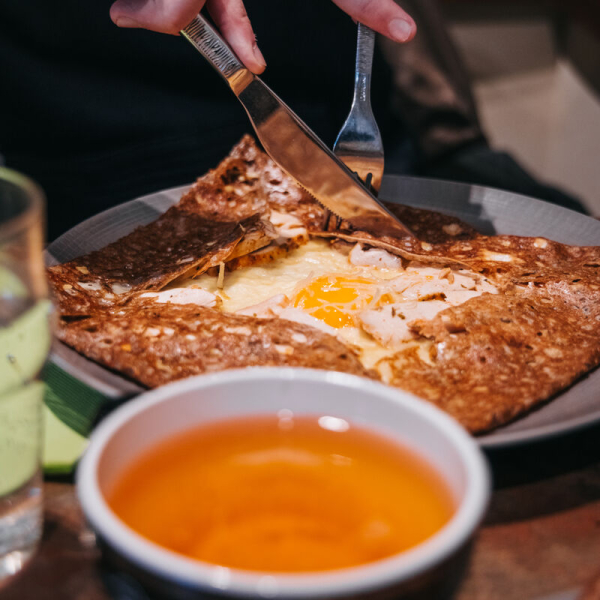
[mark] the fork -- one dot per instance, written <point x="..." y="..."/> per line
<point x="358" y="144"/>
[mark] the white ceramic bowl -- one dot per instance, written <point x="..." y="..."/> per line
<point x="430" y="568"/>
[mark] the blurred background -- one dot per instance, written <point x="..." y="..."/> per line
<point x="535" y="68"/>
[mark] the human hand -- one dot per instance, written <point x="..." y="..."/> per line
<point x="171" y="16"/>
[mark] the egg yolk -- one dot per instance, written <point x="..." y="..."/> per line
<point x="335" y="299"/>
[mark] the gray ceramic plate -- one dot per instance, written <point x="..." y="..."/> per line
<point x="490" y="211"/>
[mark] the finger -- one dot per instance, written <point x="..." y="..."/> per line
<point x="384" y="16"/>
<point x="232" y="20"/>
<point x="165" y="16"/>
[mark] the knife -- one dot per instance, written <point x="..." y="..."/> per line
<point x="290" y="142"/>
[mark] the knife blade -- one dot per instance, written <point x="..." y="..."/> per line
<point x="291" y="143"/>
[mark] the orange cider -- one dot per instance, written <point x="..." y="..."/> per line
<point x="282" y="494"/>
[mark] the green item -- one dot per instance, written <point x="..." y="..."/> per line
<point x="62" y="445"/>
<point x="24" y="345"/>
<point x="72" y="401"/>
<point x="20" y="435"/>
<point x="71" y="409"/>
<point x="10" y="284"/>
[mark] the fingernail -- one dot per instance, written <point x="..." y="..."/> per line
<point x="260" y="59"/>
<point x="400" y="29"/>
<point x="126" y="22"/>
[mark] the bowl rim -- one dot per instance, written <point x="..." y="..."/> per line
<point x="196" y="574"/>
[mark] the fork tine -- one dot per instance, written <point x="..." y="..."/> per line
<point x="359" y="143"/>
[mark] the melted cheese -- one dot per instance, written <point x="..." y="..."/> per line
<point x="368" y="299"/>
<point x="389" y="325"/>
<point x="375" y="257"/>
<point x="252" y="285"/>
<point x="286" y="225"/>
<point x="186" y="295"/>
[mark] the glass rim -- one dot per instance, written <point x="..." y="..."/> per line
<point x="34" y="204"/>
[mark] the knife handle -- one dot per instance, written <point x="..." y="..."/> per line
<point x="203" y="36"/>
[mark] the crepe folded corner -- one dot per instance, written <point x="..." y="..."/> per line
<point x="491" y="358"/>
<point x="498" y="356"/>
<point x="182" y="241"/>
<point x="155" y="344"/>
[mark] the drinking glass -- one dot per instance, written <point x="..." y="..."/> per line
<point x="24" y="344"/>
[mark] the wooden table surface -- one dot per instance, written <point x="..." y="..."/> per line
<point x="541" y="535"/>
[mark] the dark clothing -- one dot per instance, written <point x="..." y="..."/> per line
<point x="98" y="115"/>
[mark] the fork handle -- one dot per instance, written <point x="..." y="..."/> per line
<point x="205" y="38"/>
<point x="365" y="47"/>
<point x="364" y="50"/>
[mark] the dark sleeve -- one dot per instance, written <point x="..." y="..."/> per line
<point x="432" y="92"/>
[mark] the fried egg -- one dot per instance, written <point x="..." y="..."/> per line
<point x="366" y="297"/>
